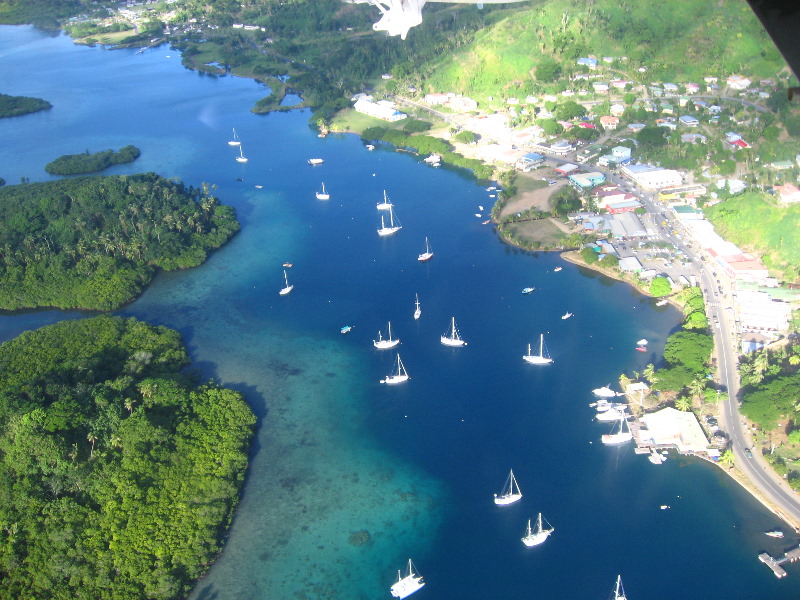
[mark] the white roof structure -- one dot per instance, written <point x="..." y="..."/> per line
<point x="672" y="427"/>
<point x="758" y="312"/>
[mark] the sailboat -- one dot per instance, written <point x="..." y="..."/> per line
<point x="418" y="310"/>
<point x="405" y="586"/>
<point x="385" y="344"/>
<point x="393" y="228"/>
<point x="511" y="492"/>
<point x="452" y="337"/>
<point x="427" y="255"/>
<point x="288" y="288"/>
<point x="619" y="593"/>
<point x="241" y="158"/>
<point x="623" y="436"/>
<point x="386" y="204"/>
<point x="566" y="315"/>
<point x="612" y="413"/>
<point x="400" y="376"/>
<point x="235" y="141"/>
<point x="537" y="535"/>
<point x="543" y="358"/>
<point x="323" y="195"/>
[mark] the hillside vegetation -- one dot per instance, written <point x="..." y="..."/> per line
<point x="759" y="225"/>
<point x="118" y="475"/>
<point x="95" y="242"/>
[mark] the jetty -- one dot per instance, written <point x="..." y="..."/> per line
<point x="775" y="563"/>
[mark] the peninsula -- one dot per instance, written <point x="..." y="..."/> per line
<point x="81" y="164"/>
<point x="15" y="106"/>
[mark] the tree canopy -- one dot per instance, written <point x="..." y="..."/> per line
<point x="95" y="242"/>
<point x="119" y="475"/>
<point x="80" y="164"/>
<point x="14" y="106"/>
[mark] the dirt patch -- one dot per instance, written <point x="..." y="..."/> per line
<point x="532" y="192"/>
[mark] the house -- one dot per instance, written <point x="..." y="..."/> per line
<point x="692" y="88"/>
<point x="616" y="110"/>
<point x="586" y="125"/>
<point x="588" y="62"/>
<point x="461" y="103"/>
<point x="636" y="127"/>
<point x="689" y="120"/>
<point x="666" y="108"/>
<point x="710" y="79"/>
<point x="781" y="165"/>
<point x="693" y="138"/>
<point x="619" y="84"/>
<point x="600" y="87"/>
<point x="568" y="93"/>
<point x="383" y="110"/>
<point x="787" y="193"/>
<point x="512" y="100"/>
<point x="530" y="161"/>
<point x="670" y="88"/>
<point x="738" y="82"/>
<point x="567" y="125"/>
<point x="668" y="124"/>
<point x="737" y="144"/>
<point x="435" y="99"/>
<point x="566" y="169"/>
<point x="608" y="122"/>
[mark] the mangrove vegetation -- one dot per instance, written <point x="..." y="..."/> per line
<point x="81" y="164"/>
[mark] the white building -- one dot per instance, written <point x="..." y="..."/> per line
<point x="676" y="428"/>
<point x="652" y="178"/>
<point x="380" y="110"/>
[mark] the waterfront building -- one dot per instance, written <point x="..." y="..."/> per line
<point x="382" y="109"/>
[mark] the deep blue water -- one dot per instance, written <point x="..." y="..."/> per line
<point x="338" y="453"/>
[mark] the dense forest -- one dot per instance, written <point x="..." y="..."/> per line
<point x="80" y="164"/>
<point x="14" y="106"/>
<point x="118" y="474"/>
<point x="95" y="242"/>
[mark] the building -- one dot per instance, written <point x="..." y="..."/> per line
<point x="787" y="193"/>
<point x="674" y="428"/>
<point x="588" y="62"/>
<point x="382" y="109"/>
<point x="436" y="99"/>
<point x="616" y="110"/>
<point x="693" y="138"/>
<point x="683" y="192"/>
<point x="737" y="82"/>
<point x="759" y="313"/>
<point x="630" y="264"/>
<point x="586" y="181"/>
<point x="608" y="122"/>
<point x="530" y="161"/>
<point x="652" y="178"/>
<point x="689" y="120"/>
<point x="566" y="169"/>
<point x="559" y="148"/>
<point x="636" y="127"/>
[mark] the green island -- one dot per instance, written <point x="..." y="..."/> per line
<point x="14" y="106"/>
<point x="81" y="164"/>
<point x="96" y="242"/>
<point x="120" y="473"/>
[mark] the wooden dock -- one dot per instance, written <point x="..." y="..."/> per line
<point x="776" y="563"/>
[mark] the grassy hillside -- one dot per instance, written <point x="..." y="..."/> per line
<point x="676" y="40"/>
<point x="758" y="225"/>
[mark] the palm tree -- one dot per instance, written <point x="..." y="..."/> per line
<point x="92" y="439"/>
<point x="649" y="373"/>
<point x="727" y="459"/>
<point x="683" y="403"/>
<point x="697" y="387"/>
<point x="129" y="402"/>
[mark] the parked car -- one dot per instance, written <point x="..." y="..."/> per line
<point x="747" y="453"/>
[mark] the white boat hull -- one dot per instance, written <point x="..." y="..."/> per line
<point x="241" y="159"/>
<point x="393" y="379"/>
<point x="417" y="314"/>
<point x="383" y="205"/>
<point x="612" y="414"/>
<point x="507" y="499"/>
<point x="384" y="231"/>
<point x="452" y="342"/>
<point x="616" y="439"/>
<point x="385" y="344"/>
<point x="425" y="256"/>
<point x="535" y="539"/>
<point x="323" y="196"/>
<point x="315" y="161"/>
<point x="407" y="586"/>
<point x="537" y="360"/>
<point x="286" y="290"/>
<point x="604" y="392"/>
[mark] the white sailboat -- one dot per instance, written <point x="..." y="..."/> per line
<point x="511" y="492"/>
<point x="241" y="158"/>
<point x="418" y="310"/>
<point x="399" y="376"/>
<point x="315" y="161"/>
<point x="613" y="413"/>
<point x="386" y="204"/>
<point x="288" y="288"/>
<point x="543" y="358"/>
<point x="537" y="535"/>
<point x="566" y="315"/>
<point x="323" y="195"/>
<point x="385" y="344"/>
<point x="452" y="337"/>
<point x="427" y="255"/>
<point x="623" y="436"/>
<point x="235" y="141"/>
<point x="619" y="593"/>
<point x="408" y="584"/>
<point x="392" y="228"/>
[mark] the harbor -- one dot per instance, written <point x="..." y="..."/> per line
<point x="776" y="564"/>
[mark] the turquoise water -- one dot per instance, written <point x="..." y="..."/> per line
<point x="348" y="478"/>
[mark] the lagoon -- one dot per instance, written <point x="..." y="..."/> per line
<point x="349" y="478"/>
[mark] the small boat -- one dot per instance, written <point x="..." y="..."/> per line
<point x="528" y="290"/>
<point x="288" y="288"/>
<point x="479" y="215"/>
<point x="417" y="310"/>
<point x="613" y="413"/>
<point x="566" y="315"/>
<point x="385" y="344"/>
<point x="537" y="535"/>
<point x="775" y="533"/>
<point x="241" y="158"/>
<point x="452" y="337"/>
<point x="315" y="161"/>
<point x="288" y="265"/>
<point x="604" y="392"/>
<point x="662" y="302"/>
<point x="619" y="593"/>
<point x="491" y="188"/>
<point x="480" y="207"/>
<point x="370" y="147"/>
<point x="511" y="492"/>
<point x="427" y="255"/>
<point x="346" y="329"/>
<point x="235" y="141"/>
<point x="486" y="222"/>
<point x="543" y="358"/>
<point x="258" y="187"/>
<point x="641" y="349"/>
<point x="386" y="204"/>
<point x="399" y="376"/>
<point x="656" y="458"/>
<point x="557" y="269"/>
<point x="408" y="584"/>
<point x="433" y="159"/>
<point x="620" y="437"/>
<point x="664" y="506"/>
<point x="392" y="228"/>
<point x="642" y="342"/>
<point x="323" y="195"/>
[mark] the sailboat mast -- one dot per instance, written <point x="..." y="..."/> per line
<point x="541" y="344"/>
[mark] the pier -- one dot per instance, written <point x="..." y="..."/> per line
<point x="775" y="563"/>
